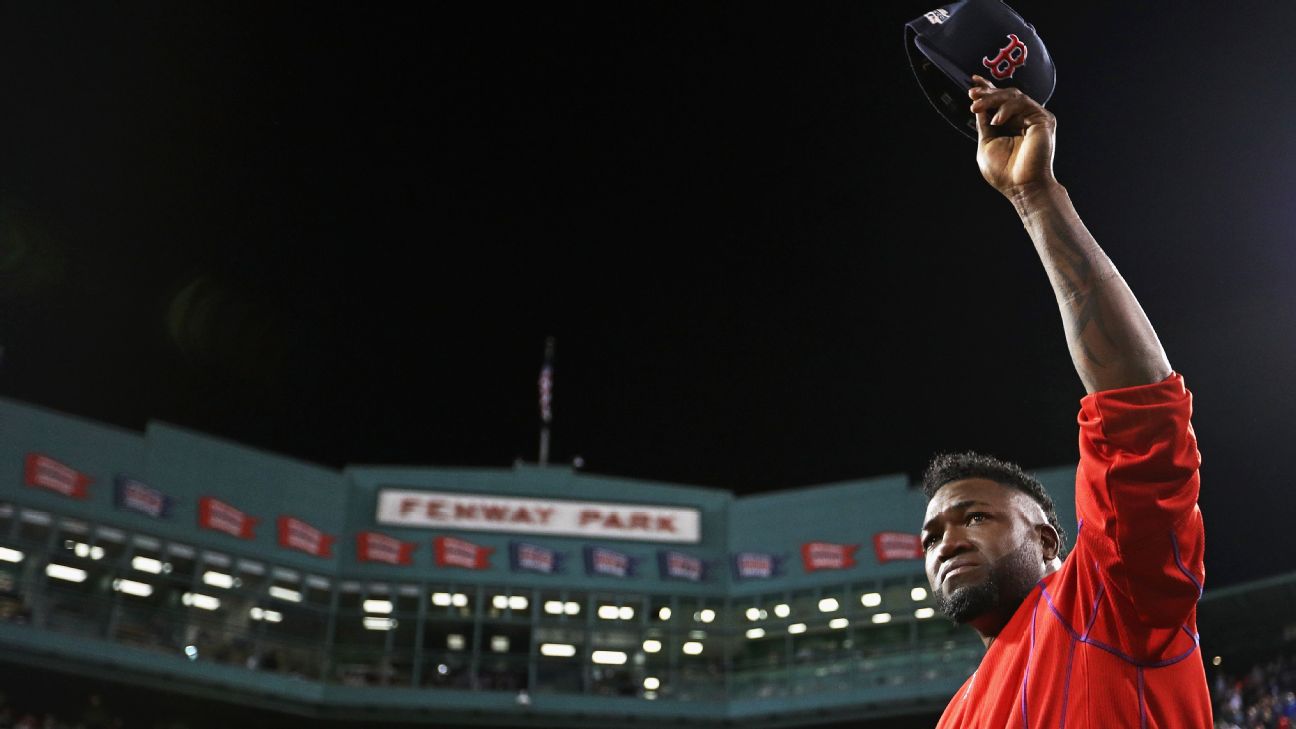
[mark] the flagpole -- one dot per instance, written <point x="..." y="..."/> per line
<point x="546" y="400"/>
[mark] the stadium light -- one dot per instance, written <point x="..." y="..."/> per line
<point x="626" y="612"/>
<point x="651" y="683"/>
<point x="269" y="616"/>
<point x="704" y="616"/>
<point x="918" y="594"/>
<point x="283" y="593"/>
<point x="459" y="600"/>
<point x="499" y="602"/>
<point x="693" y="648"/>
<point x="782" y="610"/>
<point x="131" y="587"/>
<point x="553" y="607"/>
<point x="63" y="572"/>
<point x="828" y="605"/>
<point x="755" y="633"/>
<point x="373" y="623"/>
<point x="499" y="643"/>
<point x="200" y="601"/>
<point x="797" y="628"/>
<point x="83" y="550"/>
<point x="381" y="607"/>
<point x="871" y="599"/>
<point x="455" y="642"/>
<point x="609" y="612"/>
<point x="217" y="579"/>
<point x="753" y="614"/>
<point x="10" y="555"/>
<point x="652" y="646"/>
<point x="838" y="623"/>
<point x="924" y="613"/>
<point x="572" y="608"/>
<point x="147" y="564"/>
<point x="557" y="650"/>
<point x="664" y="614"/>
<point x="881" y="618"/>
<point x="517" y="602"/>
<point x="609" y="658"/>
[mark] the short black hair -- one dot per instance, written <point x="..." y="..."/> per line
<point x="947" y="467"/>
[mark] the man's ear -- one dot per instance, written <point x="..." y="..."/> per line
<point x="1050" y="541"/>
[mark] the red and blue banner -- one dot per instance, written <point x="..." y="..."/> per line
<point x="376" y="547"/>
<point x="43" y="472"/>
<point x="219" y="516"/>
<point x="130" y="494"/>
<point x="604" y="562"/>
<point x="297" y="534"/>
<point x="455" y="552"/>
<point x="890" y="546"/>
<point x="527" y="557"/>
<point x="756" y="566"/>
<point x="680" y="566"/>
<point x="828" y="556"/>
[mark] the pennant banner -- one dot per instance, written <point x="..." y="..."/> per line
<point x="131" y="494"/>
<point x="43" y="472"/>
<point x="219" y="516"/>
<point x="297" y="534"/>
<point x="375" y="547"/>
<point x="525" y="557"/>
<point x="609" y="562"/>
<point x="680" y="566"/>
<point x="826" y="556"/>
<point x="756" y="566"/>
<point x="896" y="545"/>
<point x="452" y="552"/>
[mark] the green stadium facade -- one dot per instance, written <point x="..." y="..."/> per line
<point x="525" y="596"/>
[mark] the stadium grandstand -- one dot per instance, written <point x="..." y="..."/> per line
<point x="142" y="575"/>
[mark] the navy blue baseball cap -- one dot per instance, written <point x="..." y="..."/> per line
<point x="985" y="37"/>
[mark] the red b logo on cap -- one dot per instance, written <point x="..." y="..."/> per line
<point x="1011" y="57"/>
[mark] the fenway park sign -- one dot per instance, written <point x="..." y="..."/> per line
<point x="481" y="512"/>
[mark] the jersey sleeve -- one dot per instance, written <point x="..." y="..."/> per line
<point x="1136" y="498"/>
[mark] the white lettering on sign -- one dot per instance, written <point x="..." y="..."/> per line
<point x="482" y="512"/>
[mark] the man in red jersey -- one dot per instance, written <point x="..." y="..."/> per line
<point x="1105" y="636"/>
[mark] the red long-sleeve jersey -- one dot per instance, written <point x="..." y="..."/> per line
<point x="1110" y="639"/>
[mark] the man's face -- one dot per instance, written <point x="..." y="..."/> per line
<point x="984" y="552"/>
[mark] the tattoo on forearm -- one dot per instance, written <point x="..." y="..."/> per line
<point x="1074" y="268"/>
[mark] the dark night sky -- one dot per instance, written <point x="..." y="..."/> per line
<point x="343" y="232"/>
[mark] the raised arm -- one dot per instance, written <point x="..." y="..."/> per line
<point x="1112" y="343"/>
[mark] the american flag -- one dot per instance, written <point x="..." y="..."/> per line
<point x="297" y="534"/>
<point x="827" y="556"/>
<point x="46" y="473"/>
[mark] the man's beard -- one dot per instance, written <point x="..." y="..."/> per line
<point x="1008" y="581"/>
